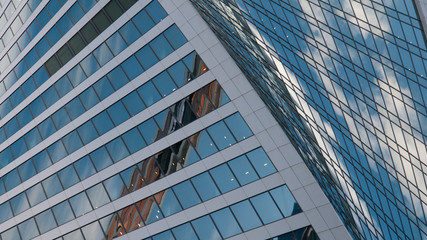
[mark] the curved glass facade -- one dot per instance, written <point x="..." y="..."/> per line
<point x="347" y="81"/>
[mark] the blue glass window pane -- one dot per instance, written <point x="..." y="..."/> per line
<point x="164" y="84"/>
<point x="46" y="128"/>
<point x="64" y="24"/>
<point x="87" y="4"/>
<point x="20" y="68"/>
<point x="161" y="47"/>
<point x="74" y="235"/>
<point x="102" y="123"/>
<point x="63" y="86"/>
<point x="11" y="179"/>
<point x="118" y="113"/>
<point x="87" y="132"/>
<point x="238" y="127"/>
<point x="89" y="65"/>
<point x="89" y="98"/>
<point x="156" y="11"/>
<point x="117" y="78"/>
<point x="186" y="194"/>
<point x="246" y="215"/>
<point x="68" y="176"/>
<point x="75" y="13"/>
<point x="149" y="130"/>
<point x="40" y="76"/>
<point x="168" y="204"/>
<point x="167" y="235"/>
<point x="285" y="201"/>
<point x="76" y="75"/>
<point x="52" y="185"/>
<point x="129" y="32"/>
<point x="101" y="159"/>
<point x="93" y="231"/>
<point x="19" y="204"/>
<point x="133" y="103"/>
<point x="11" y="234"/>
<point x="33" y="29"/>
<point x="261" y="162"/>
<point x="179" y="73"/>
<point x="175" y="37"/>
<point x="42" y="161"/>
<point x="45" y="221"/>
<point x="63" y="212"/>
<point x="149" y="93"/>
<point x="221" y="135"/>
<point x="11" y="127"/>
<point x="27" y="170"/>
<point x="43" y="17"/>
<point x="154" y="214"/>
<point x="35" y="195"/>
<point x="60" y="118"/>
<point x="184" y="232"/>
<point x="80" y="204"/>
<point x="116" y="43"/>
<point x="115" y="187"/>
<point x="28" y="229"/>
<point x="205" y="186"/>
<point x="134" y="140"/>
<point x="50" y="96"/>
<point x="57" y="151"/>
<point x="37" y="106"/>
<point x="6" y="157"/>
<point x="103" y="54"/>
<point x="205" y="228"/>
<point x="224" y="178"/>
<point x="84" y="168"/>
<point x="266" y="208"/>
<point x="31" y="57"/>
<point x="143" y="22"/>
<point x="97" y="195"/>
<point x="204" y="145"/>
<point x="42" y="47"/>
<point x="243" y="170"/>
<point x="146" y="57"/>
<point x="103" y="88"/>
<point x="24" y="117"/>
<point x="53" y="7"/>
<point x="117" y="149"/>
<point x="28" y="87"/>
<point x="6" y="212"/>
<point x="226" y="223"/>
<point x="18" y="148"/>
<point x="132" y="68"/>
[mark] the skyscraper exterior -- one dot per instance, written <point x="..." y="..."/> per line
<point x="179" y="119"/>
<point x="347" y="82"/>
<point x="128" y="119"/>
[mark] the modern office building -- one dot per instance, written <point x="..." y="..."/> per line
<point x="208" y="119"/>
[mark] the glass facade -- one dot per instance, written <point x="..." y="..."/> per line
<point x="115" y="123"/>
<point x="347" y="81"/>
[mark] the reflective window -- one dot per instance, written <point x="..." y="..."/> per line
<point x="205" y="186"/>
<point x="226" y="223"/>
<point x="45" y="221"/>
<point x="224" y="178"/>
<point x="266" y="208"/>
<point x="246" y="215"/>
<point x="186" y="194"/>
<point x="205" y="228"/>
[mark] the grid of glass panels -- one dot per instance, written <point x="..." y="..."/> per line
<point x="92" y="29"/>
<point x="240" y="217"/>
<point x="48" y="11"/>
<point x="43" y="45"/>
<point x="170" y="201"/>
<point x="350" y="92"/>
<point x="176" y="116"/>
<point x="182" y="113"/>
<point x="119" y="76"/>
